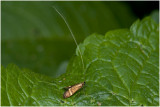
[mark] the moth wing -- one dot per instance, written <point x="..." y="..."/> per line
<point x="76" y="87"/>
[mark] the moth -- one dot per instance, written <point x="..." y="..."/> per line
<point x="72" y="89"/>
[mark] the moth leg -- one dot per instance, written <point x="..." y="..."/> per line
<point x="66" y="88"/>
<point x="78" y="94"/>
<point x="84" y="91"/>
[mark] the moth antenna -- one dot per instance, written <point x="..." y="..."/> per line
<point x="71" y="34"/>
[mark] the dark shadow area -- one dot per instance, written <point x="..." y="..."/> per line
<point x="143" y="8"/>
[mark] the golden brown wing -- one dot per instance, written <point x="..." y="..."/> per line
<point x="73" y="89"/>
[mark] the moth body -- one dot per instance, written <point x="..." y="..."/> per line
<point x="73" y="89"/>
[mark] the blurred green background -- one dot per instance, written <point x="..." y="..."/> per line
<point x="34" y="36"/>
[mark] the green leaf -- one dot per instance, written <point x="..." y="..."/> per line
<point x="19" y="86"/>
<point x="34" y="36"/>
<point x="120" y="68"/>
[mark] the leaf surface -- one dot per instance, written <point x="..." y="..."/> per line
<point x="120" y="68"/>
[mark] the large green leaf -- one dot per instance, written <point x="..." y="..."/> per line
<point x="34" y="36"/>
<point x="120" y="68"/>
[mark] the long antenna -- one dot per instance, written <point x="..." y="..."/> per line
<point x="71" y="34"/>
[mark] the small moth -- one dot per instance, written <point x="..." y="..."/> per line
<point x="72" y="89"/>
